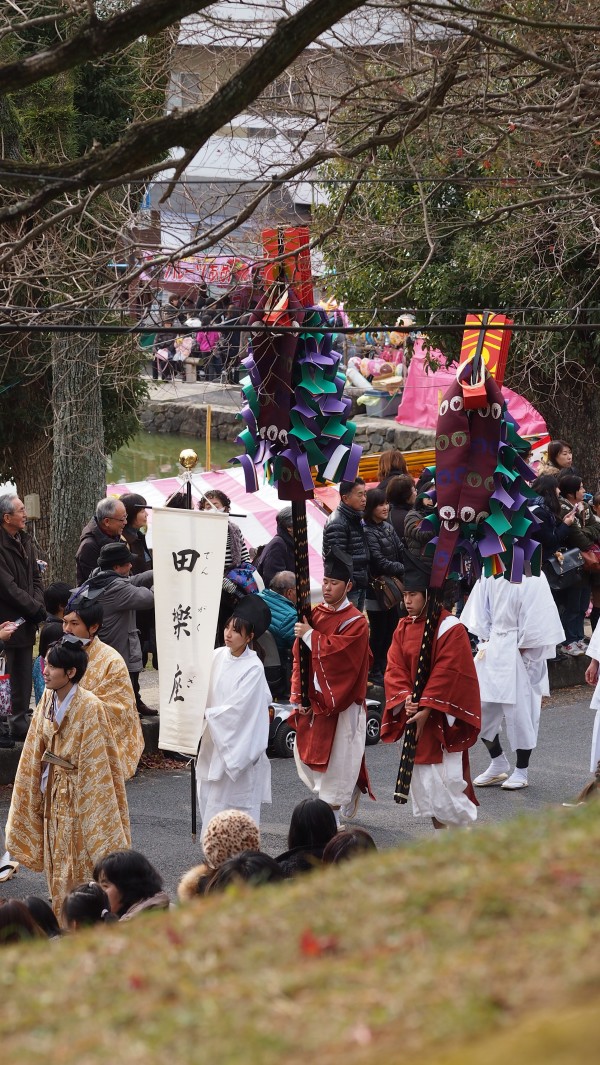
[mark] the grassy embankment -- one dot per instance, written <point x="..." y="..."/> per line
<point x="478" y="947"/>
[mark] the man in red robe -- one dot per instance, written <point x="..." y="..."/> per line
<point x="330" y="733"/>
<point x="448" y="714"/>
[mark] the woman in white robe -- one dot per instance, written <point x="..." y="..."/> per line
<point x="233" y="769"/>
<point x="592" y="676"/>
<point x="518" y="628"/>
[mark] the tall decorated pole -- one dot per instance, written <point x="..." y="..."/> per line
<point x="295" y="413"/>
<point x="481" y="491"/>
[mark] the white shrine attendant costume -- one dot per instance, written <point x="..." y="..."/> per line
<point x="232" y="768"/>
<point x="518" y="627"/>
<point x="593" y="652"/>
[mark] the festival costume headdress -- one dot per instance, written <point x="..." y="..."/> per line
<point x="337" y="565"/>
<point x="481" y="491"/>
<point x="254" y="612"/>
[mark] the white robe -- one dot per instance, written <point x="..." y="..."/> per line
<point x="593" y="651"/>
<point x="233" y="769"/>
<point x="438" y="790"/>
<point x="518" y="627"/>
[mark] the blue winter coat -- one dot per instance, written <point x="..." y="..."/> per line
<point x="283" y="618"/>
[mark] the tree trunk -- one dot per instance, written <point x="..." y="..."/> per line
<point x="32" y="474"/>
<point x="79" y="469"/>
<point x="572" y="413"/>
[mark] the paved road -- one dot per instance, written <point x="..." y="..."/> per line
<point x="159" y="800"/>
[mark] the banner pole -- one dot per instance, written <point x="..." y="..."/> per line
<point x="188" y="460"/>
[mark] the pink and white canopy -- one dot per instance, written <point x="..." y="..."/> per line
<point x="254" y="512"/>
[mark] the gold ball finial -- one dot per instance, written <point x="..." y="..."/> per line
<point x="188" y="458"/>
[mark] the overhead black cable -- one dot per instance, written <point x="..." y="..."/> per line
<point x="85" y="327"/>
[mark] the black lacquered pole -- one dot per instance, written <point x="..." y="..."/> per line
<point x="300" y="534"/>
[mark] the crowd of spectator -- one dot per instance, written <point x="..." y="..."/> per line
<point x="126" y="886"/>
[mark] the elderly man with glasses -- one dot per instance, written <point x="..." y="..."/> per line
<point x="106" y="527"/>
<point x="21" y="601"/>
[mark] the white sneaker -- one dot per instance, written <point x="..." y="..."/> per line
<point x="573" y="649"/>
<point x="349" y="810"/>
<point x="583" y="645"/>
<point x="494" y="774"/>
<point x="517" y="781"/>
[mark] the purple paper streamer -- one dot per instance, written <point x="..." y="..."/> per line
<point x="351" y="471"/>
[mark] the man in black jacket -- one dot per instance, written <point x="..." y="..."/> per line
<point x="105" y="528"/>
<point x="345" y="530"/>
<point x="21" y="596"/>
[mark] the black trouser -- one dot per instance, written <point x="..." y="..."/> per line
<point x="135" y="684"/>
<point x="382" y="625"/>
<point x="19" y="661"/>
<point x="495" y="749"/>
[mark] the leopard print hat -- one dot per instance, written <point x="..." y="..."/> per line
<point x="229" y="833"/>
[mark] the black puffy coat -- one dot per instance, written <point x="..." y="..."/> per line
<point x="345" y="529"/>
<point x="552" y="533"/>
<point x="385" y="549"/>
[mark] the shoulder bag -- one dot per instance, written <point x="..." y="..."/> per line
<point x="591" y="559"/>
<point x="565" y="571"/>
<point x="388" y="591"/>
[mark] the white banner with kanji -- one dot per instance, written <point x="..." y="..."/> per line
<point x="189" y="556"/>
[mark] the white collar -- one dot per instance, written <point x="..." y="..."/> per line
<point x="342" y="606"/>
<point x="60" y="711"/>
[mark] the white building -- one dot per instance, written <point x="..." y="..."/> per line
<point x="292" y="119"/>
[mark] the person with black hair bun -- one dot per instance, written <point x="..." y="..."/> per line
<point x="131" y="883"/>
<point x="84" y="906"/>
<point x="68" y="804"/>
<point x="233" y="770"/>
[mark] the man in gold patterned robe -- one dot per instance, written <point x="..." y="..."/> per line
<point x="107" y="677"/>
<point x="69" y="806"/>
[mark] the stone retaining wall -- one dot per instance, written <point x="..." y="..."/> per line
<point x="384" y="434"/>
<point x="374" y="434"/>
<point x="190" y="420"/>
